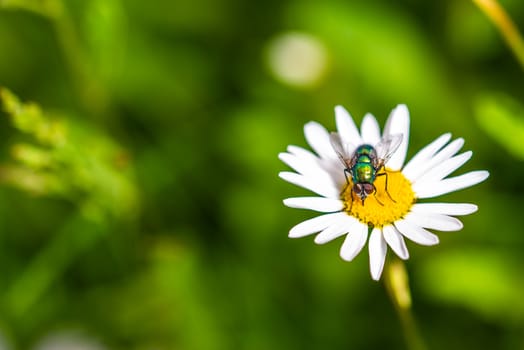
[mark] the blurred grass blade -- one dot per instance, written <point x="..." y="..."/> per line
<point x="503" y="119"/>
<point x="48" y="8"/>
<point x="505" y="25"/>
<point x="75" y="237"/>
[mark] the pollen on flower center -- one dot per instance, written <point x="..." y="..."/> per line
<point x="378" y="209"/>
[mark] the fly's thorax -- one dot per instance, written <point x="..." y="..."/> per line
<point x="364" y="159"/>
<point x="365" y="150"/>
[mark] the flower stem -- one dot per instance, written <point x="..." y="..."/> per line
<point x="397" y="286"/>
<point x="505" y="25"/>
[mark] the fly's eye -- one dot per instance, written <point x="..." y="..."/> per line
<point x="357" y="188"/>
<point x="368" y="188"/>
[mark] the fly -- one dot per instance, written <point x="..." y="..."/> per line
<point x="365" y="163"/>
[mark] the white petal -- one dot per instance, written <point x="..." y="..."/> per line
<point x="412" y="168"/>
<point x="432" y="189"/>
<point x="346" y="127"/>
<point x="314" y="225"/>
<point x="398" y="123"/>
<point x="318" y="138"/>
<point x="325" y="205"/>
<point x="341" y="227"/>
<point x="445" y="208"/>
<point x="445" y="153"/>
<point x="395" y="241"/>
<point x="302" y="153"/>
<point x="354" y="242"/>
<point x="416" y="233"/>
<point x="324" y="187"/>
<point x="446" y="167"/>
<point x="377" y="253"/>
<point x="434" y="221"/>
<point x="334" y="168"/>
<point x="301" y="165"/>
<point x="370" y="130"/>
<point x="312" y="167"/>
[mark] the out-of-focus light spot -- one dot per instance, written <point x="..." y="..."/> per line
<point x="297" y="59"/>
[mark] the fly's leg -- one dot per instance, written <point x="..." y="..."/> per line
<point x="346" y="172"/>
<point x="375" y="195"/>
<point x="386" y="174"/>
<point x="351" y="195"/>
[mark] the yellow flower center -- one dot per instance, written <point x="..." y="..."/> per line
<point x="381" y="209"/>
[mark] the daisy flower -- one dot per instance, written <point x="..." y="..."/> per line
<point x="389" y="215"/>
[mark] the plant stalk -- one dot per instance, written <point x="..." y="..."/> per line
<point x="507" y="28"/>
<point x="397" y="286"/>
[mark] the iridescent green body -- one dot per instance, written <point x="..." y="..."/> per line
<point x="365" y="150"/>
<point x="363" y="170"/>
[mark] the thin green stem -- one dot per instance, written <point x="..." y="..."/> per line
<point x="91" y="92"/>
<point x="397" y="286"/>
<point x="505" y="25"/>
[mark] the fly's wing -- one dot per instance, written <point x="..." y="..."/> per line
<point x="341" y="149"/>
<point x="385" y="149"/>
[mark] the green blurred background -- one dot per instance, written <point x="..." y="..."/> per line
<point x="140" y="206"/>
